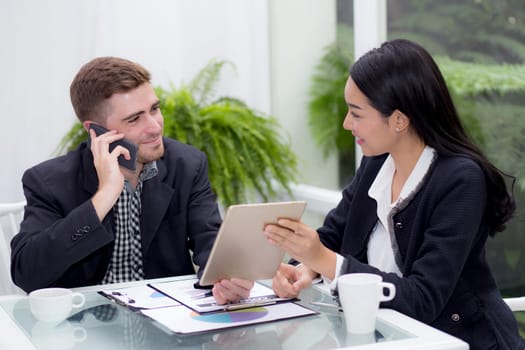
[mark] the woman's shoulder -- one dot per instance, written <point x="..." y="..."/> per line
<point x="458" y="168"/>
<point x="457" y="164"/>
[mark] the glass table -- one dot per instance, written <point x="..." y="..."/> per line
<point x="102" y="324"/>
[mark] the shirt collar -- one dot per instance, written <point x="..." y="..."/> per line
<point x="149" y="170"/>
<point x="419" y="172"/>
<point x="382" y="184"/>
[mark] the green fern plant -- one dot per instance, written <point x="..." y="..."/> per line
<point x="327" y="109"/>
<point x="247" y="153"/>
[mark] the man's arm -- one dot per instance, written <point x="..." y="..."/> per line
<point x="56" y="234"/>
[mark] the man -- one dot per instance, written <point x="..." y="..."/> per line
<point x="89" y="220"/>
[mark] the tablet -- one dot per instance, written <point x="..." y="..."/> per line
<point x="241" y="250"/>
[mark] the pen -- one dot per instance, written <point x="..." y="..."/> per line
<point x="333" y="306"/>
<point x="203" y="295"/>
<point x="250" y="302"/>
<point x="248" y="305"/>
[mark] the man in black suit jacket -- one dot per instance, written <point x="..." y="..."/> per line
<point x="90" y="220"/>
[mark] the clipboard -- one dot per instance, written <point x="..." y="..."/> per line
<point x="182" y="320"/>
<point x="203" y="301"/>
<point x="139" y="297"/>
<point x="240" y="249"/>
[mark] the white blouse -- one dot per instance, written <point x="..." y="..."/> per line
<point x="380" y="252"/>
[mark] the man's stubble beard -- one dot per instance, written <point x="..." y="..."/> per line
<point x="150" y="155"/>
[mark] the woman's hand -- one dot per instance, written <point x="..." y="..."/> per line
<point x="302" y="243"/>
<point x="297" y="239"/>
<point x="231" y="290"/>
<point x="289" y="280"/>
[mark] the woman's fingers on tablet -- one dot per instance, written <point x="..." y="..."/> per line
<point x="278" y="235"/>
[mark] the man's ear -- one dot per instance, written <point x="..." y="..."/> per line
<point x="86" y="124"/>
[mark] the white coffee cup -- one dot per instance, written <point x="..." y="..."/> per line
<point x="360" y="294"/>
<point x="360" y="339"/>
<point x="54" y="304"/>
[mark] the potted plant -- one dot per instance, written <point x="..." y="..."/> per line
<point x="246" y="151"/>
<point x="327" y="109"/>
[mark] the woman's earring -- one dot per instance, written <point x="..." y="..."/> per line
<point x="397" y="130"/>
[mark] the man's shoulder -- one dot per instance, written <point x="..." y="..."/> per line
<point x="174" y="149"/>
<point x="63" y="164"/>
<point x="181" y="162"/>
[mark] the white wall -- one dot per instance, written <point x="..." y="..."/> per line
<point x="44" y="43"/>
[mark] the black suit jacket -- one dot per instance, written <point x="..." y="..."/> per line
<point x="62" y="243"/>
<point x="440" y="236"/>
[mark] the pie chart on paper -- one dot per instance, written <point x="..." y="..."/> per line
<point x="232" y="316"/>
<point x="156" y="294"/>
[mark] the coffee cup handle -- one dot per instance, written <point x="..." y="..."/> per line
<point x="79" y="334"/>
<point x="80" y="300"/>
<point x="391" y="294"/>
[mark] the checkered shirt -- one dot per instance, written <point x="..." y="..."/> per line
<point x="126" y="262"/>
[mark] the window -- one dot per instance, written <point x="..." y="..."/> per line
<point x="480" y="47"/>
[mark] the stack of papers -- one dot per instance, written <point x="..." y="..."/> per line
<point x="185" y="321"/>
<point x="201" y="300"/>
<point x="140" y="297"/>
<point x="181" y="308"/>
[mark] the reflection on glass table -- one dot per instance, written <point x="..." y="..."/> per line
<point x="102" y="324"/>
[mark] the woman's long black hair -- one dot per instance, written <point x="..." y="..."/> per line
<point x="402" y="75"/>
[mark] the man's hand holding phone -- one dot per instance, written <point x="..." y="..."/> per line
<point x="127" y="159"/>
<point x="107" y="148"/>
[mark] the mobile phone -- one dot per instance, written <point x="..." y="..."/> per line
<point x="130" y="146"/>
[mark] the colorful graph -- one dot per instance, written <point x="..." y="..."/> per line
<point x="232" y="316"/>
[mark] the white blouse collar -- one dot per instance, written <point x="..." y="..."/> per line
<point x="381" y="187"/>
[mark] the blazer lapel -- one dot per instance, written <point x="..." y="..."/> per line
<point x="363" y="213"/>
<point x="156" y="197"/>
<point x="363" y="218"/>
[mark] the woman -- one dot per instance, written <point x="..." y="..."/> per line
<point x="419" y="209"/>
